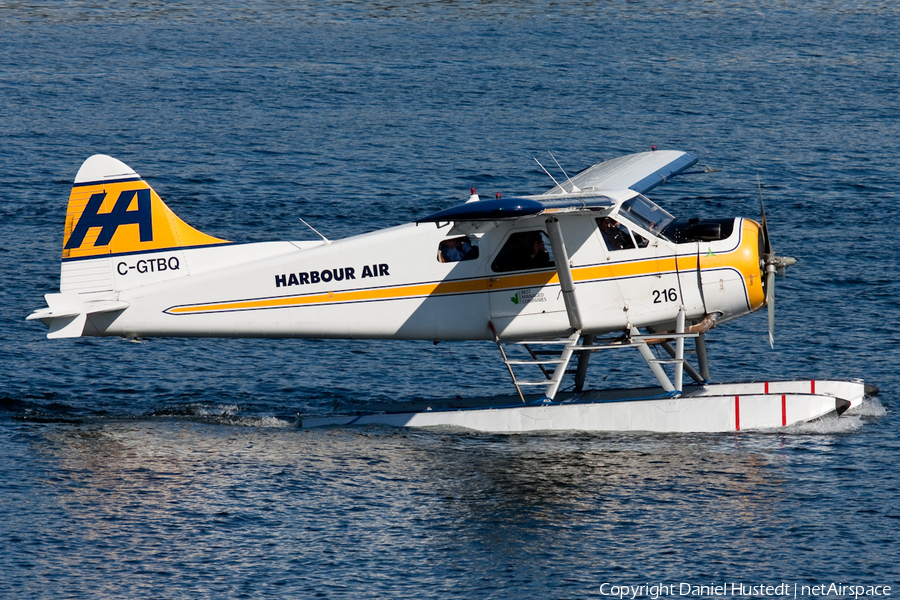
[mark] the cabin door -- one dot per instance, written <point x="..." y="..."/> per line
<point x="524" y="281"/>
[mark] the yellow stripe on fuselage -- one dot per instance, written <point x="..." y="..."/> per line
<point x="443" y="288"/>
<point x="744" y="258"/>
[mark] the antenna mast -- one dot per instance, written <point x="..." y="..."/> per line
<point x="574" y="187"/>
<point x="324" y="239"/>
<point x="550" y="176"/>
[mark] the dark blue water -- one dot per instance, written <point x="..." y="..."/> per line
<point x="169" y="468"/>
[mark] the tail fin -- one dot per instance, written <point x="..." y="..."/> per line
<point x="114" y="221"/>
<point x="113" y="217"/>
<point x="113" y="211"/>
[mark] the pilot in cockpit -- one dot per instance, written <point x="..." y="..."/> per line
<point x="615" y="236"/>
<point x="523" y="250"/>
<point x="457" y="249"/>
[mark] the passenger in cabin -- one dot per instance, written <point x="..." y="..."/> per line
<point x="615" y="234"/>
<point x="457" y="249"/>
<point x="522" y="251"/>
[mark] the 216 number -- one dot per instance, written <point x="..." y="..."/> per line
<point x="669" y="295"/>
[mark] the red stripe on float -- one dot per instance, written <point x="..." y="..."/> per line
<point x="812" y="385"/>
<point x="767" y="387"/>
<point x="783" y="410"/>
<point x="737" y="413"/>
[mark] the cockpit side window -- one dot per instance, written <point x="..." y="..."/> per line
<point x="615" y="235"/>
<point x="646" y="214"/>
<point x="457" y="249"/>
<point x="524" y="250"/>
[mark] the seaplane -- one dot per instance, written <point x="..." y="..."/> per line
<point x="592" y="265"/>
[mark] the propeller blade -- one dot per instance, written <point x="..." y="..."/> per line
<point x="762" y="207"/>
<point x="772" y="264"/>
<point x="770" y="302"/>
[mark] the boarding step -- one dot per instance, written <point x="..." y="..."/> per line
<point x="553" y="363"/>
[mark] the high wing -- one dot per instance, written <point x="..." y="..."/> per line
<point x="639" y="172"/>
<point x="595" y="189"/>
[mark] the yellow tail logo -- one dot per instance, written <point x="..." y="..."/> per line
<point x="113" y="211"/>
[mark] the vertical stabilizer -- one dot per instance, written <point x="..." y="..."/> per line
<point x="113" y="214"/>
<point x="118" y="235"/>
<point x="113" y="211"/>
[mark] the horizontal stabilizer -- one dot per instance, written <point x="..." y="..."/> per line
<point x="67" y="314"/>
<point x="639" y="172"/>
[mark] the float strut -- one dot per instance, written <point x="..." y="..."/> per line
<point x="583" y="360"/>
<point x="653" y="363"/>
<point x="702" y="358"/>
<point x="687" y="366"/>
<point x="679" y="350"/>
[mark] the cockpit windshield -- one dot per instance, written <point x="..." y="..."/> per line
<point x="644" y="213"/>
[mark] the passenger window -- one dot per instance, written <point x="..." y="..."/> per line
<point x="615" y="235"/>
<point x="524" y="250"/>
<point x="457" y="249"/>
<point x="642" y="242"/>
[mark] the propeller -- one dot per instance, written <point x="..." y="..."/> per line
<point x="771" y="264"/>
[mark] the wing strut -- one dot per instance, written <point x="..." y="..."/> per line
<point x="566" y="281"/>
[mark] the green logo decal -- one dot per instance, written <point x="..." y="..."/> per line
<point x="515" y="299"/>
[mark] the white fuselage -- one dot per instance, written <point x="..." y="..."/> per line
<point x="392" y="284"/>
